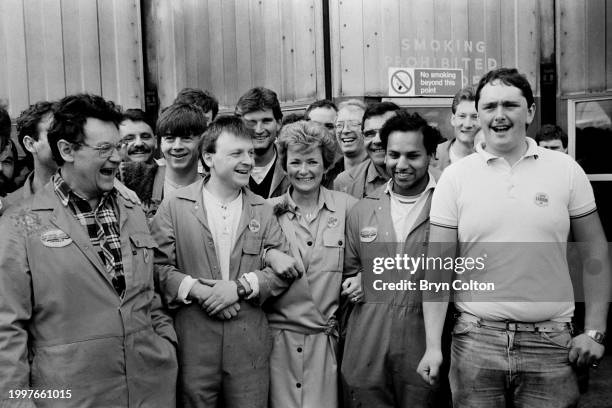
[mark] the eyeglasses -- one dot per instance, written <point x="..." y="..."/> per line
<point x="105" y="150"/>
<point x="184" y="138"/>
<point x="351" y="124"/>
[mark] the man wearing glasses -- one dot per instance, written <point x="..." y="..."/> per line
<point x="260" y="111"/>
<point x="181" y="126"/>
<point x="367" y="176"/>
<point x="78" y="313"/>
<point x="349" y="138"/>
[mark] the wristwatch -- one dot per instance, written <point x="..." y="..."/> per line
<point x="597" y="336"/>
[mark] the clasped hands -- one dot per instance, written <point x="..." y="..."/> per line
<point x="219" y="298"/>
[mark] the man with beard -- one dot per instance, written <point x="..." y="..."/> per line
<point x="371" y="174"/>
<point x="8" y="162"/>
<point x="260" y="110"/>
<point x="464" y="120"/>
<point x="180" y="127"/>
<point x="78" y="313"/>
<point x="138" y="136"/>
<point x="386" y="332"/>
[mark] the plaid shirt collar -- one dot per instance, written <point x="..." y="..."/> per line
<point x="65" y="192"/>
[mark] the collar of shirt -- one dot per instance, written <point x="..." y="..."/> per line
<point x="532" y="151"/>
<point x="259" y="173"/>
<point x="325" y="200"/>
<point x="65" y="193"/>
<point x="431" y="184"/>
<point x="372" y="173"/>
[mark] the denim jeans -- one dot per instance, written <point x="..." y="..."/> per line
<point x="503" y="368"/>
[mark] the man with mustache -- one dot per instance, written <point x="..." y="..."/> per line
<point x="179" y="127"/>
<point x="366" y="177"/>
<point x="138" y="136"/>
<point x="260" y="110"/>
<point x="78" y="312"/>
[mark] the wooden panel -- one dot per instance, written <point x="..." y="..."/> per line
<point x="244" y="49"/>
<point x="373" y="37"/>
<point x="121" y="52"/>
<point x="287" y="49"/>
<point x="528" y="42"/>
<point x="81" y="50"/>
<point x="609" y="44"/>
<point x="351" y="47"/>
<point x="596" y="42"/>
<point x="13" y="62"/>
<point x="571" y="46"/>
<point x="44" y="50"/>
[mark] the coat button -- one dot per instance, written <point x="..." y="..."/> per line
<point x="298" y="385"/>
<point x="299" y="349"/>
<point x="339" y="242"/>
<point x="309" y="243"/>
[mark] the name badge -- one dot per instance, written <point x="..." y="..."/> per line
<point x="332" y="222"/>
<point x="368" y="234"/>
<point x="55" y="239"/>
<point x="254" y="225"/>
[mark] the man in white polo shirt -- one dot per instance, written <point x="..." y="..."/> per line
<point x="512" y="204"/>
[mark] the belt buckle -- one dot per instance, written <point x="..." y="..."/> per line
<point x="511" y="326"/>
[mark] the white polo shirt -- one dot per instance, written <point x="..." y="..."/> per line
<point x="517" y="219"/>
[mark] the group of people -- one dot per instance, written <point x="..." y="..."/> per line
<point x="237" y="270"/>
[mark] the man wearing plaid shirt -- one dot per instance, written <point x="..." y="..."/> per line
<point x="78" y="311"/>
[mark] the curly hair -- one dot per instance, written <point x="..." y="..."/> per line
<point x="306" y="135"/>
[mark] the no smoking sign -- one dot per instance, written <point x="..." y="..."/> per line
<point x="401" y="82"/>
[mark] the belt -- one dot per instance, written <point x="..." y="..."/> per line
<point x="547" y="326"/>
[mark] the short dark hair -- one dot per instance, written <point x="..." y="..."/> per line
<point x="464" y="94"/>
<point x="229" y="123"/>
<point x="378" y="109"/>
<point x="137" y="115"/>
<point x="551" y="132"/>
<point x="181" y="119"/>
<point x="321" y="103"/>
<point x="507" y="76"/>
<point x="259" y="99"/>
<point x="307" y="135"/>
<point x="292" y="118"/>
<point x="70" y="116"/>
<point x="204" y="99"/>
<point x="5" y="127"/>
<point x="27" y="124"/>
<point x="404" y="121"/>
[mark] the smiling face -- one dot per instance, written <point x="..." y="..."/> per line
<point x="264" y="127"/>
<point x="232" y="161"/>
<point x="325" y="117"/>
<point x="305" y="168"/>
<point x="504" y="116"/>
<point x="91" y="174"/>
<point x="140" y="140"/>
<point x="371" y="136"/>
<point x="465" y="122"/>
<point x="407" y="162"/>
<point x="180" y="152"/>
<point x="348" y="131"/>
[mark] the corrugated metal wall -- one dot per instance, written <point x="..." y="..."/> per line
<point x="229" y="46"/>
<point x="51" y="48"/>
<point x="584" y="46"/>
<point x="368" y="37"/>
